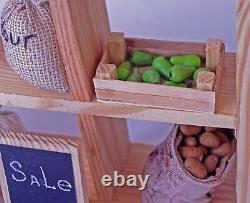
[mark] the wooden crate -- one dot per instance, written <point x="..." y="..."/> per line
<point x="109" y="89"/>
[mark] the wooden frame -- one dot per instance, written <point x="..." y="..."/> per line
<point x="160" y="96"/>
<point x="47" y="144"/>
<point x="243" y="97"/>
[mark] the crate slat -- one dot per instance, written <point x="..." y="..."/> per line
<point x="156" y="101"/>
<point x="151" y="89"/>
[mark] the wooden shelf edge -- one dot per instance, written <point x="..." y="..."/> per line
<point x="117" y="110"/>
<point x="225" y="193"/>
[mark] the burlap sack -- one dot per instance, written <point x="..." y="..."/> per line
<point x="170" y="183"/>
<point x="10" y="121"/>
<point x="30" y="44"/>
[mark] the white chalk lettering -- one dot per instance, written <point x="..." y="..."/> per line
<point x="39" y="180"/>
<point x="14" y="177"/>
<point x="64" y="185"/>
<point x="45" y="181"/>
<point x="34" y="181"/>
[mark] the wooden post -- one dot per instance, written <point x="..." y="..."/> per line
<point x="83" y="28"/>
<point x="243" y="98"/>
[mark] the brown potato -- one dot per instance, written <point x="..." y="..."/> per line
<point x="190" y="130"/>
<point x="210" y="140"/>
<point x="224" y="150"/>
<point x="211" y="163"/>
<point x="190" y="141"/>
<point x="223" y="138"/>
<point x="196" y="168"/>
<point x="204" y="149"/>
<point x="210" y="129"/>
<point x="194" y="152"/>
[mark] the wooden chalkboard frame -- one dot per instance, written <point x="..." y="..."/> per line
<point x="52" y="144"/>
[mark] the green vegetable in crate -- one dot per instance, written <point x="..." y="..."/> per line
<point x="135" y="76"/>
<point x="187" y="60"/>
<point x="141" y="58"/>
<point x="151" y="76"/>
<point x="180" y="73"/>
<point x="124" y="70"/>
<point x="197" y="72"/>
<point x="162" y="66"/>
<point x="170" y="83"/>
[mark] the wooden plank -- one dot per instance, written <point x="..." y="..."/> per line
<point x="116" y="47"/>
<point x="225" y="193"/>
<point x="242" y="46"/>
<point x="153" y="89"/>
<point x="106" y="151"/>
<point x="156" y="101"/>
<point x="116" y="110"/>
<point x="243" y="97"/>
<point x="215" y="50"/>
<point x="226" y="97"/>
<point x="166" y="48"/>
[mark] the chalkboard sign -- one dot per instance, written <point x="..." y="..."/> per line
<point x="39" y="170"/>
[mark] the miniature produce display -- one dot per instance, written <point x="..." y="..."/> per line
<point x="179" y="71"/>
<point x="161" y="74"/>
<point x="202" y="149"/>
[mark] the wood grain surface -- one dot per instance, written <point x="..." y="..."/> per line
<point x="83" y="28"/>
<point x="243" y="98"/>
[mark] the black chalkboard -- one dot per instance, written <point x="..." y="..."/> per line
<point x="38" y="176"/>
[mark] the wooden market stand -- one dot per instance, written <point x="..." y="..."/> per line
<point x="82" y="29"/>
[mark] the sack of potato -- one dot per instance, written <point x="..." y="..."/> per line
<point x="189" y="165"/>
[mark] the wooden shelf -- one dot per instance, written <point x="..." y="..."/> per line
<point x="226" y="103"/>
<point x="16" y="92"/>
<point x="225" y="193"/>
